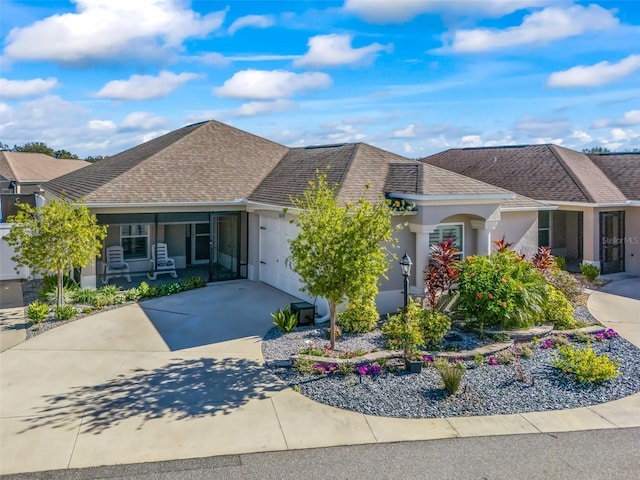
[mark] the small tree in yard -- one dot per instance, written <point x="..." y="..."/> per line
<point x="55" y="238"/>
<point x="341" y="250"/>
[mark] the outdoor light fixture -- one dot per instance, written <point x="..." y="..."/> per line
<point x="405" y="265"/>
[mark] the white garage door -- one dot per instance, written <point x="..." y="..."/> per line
<point x="274" y="251"/>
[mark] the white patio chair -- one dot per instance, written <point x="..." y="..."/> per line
<point x="115" y="266"/>
<point x="160" y="262"/>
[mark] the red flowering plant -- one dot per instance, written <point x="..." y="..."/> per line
<point x="543" y="260"/>
<point x="441" y="274"/>
<point x="500" y="291"/>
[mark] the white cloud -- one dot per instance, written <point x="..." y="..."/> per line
<point x="258" y="108"/>
<point x="471" y="141"/>
<point x="102" y="125"/>
<point x="137" y="121"/>
<point x="258" y="21"/>
<point x="543" y="127"/>
<point x="338" y="132"/>
<point x="334" y="50"/>
<point x="409" y="132"/>
<point x="270" y="84"/>
<point x="581" y="137"/>
<point x="630" y="118"/>
<point x="145" y="87"/>
<point x="538" y="28"/>
<point x="110" y="30"/>
<point x="400" y="11"/>
<point x="26" y="88"/>
<point x="595" y="75"/>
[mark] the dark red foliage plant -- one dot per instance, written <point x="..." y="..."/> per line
<point x="441" y="273"/>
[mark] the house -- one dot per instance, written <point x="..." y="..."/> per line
<point x="218" y="197"/>
<point x="597" y="197"/>
<point x="24" y="172"/>
<point x="21" y="175"/>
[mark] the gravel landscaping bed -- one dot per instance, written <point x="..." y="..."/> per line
<point x="534" y="385"/>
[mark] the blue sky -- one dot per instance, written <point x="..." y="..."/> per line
<point x="412" y="76"/>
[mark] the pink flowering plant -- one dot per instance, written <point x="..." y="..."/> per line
<point x="501" y="290"/>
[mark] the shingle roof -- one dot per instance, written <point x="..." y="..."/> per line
<point x="35" y="167"/>
<point x="204" y="162"/>
<point x="623" y="169"/>
<point x="541" y="172"/>
<point x="425" y="179"/>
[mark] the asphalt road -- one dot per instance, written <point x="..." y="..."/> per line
<point x="586" y="455"/>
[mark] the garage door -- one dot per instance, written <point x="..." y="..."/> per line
<point x="274" y="251"/>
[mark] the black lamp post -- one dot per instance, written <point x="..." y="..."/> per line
<point x="405" y="265"/>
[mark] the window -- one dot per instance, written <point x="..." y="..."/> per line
<point x="444" y="232"/>
<point x="544" y="228"/>
<point x="135" y="241"/>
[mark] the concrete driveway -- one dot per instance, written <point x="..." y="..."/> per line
<point x="134" y="383"/>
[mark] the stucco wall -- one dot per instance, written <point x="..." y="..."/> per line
<point x="632" y="240"/>
<point x="7" y="266"/>
<point x="519" y="228"/>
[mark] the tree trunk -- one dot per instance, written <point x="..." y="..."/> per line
<point x="60" y="293"/>
<point x="332" y="325"/>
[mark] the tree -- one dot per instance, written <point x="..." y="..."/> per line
<point x="35" y="147"/>
<point x="596" y="150"/>
<point x="95" y="158"/>
<point x="55" y="238"/>
<point x="341" y="251"/>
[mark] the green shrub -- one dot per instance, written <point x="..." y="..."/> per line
<point x="405" y="332"/>
<point x="37" y="311"/>
<point x="86" y="296"/>
<point x="195" y="282"/>
<point x="132" y="295"/>
<point x="143" y="289"/>
<point x="345" y="368"/>
<point x="501" y="290"/>
<point x="500" y="337"/>
<point x="566" y="283"/>
<point x="585" y="364"/>
<point x="590" y="271"/>
<point x="524" y="351"/>
<point x="435" y="326"/>
<point x="65" y="312"/>
<point x="108" y="295"/>
<point x="87" y="310"/>
<point x="561" y="262"/>
<point x="50" y="286"/>
<point x="582" y="337"/>
<point x="558" y="311"/>
<point x="285" y="319"/>
<point x="360" y="316"/>
<point x="304" y="366"/>
<point x="451" y="374"/>
<point x="506" y="357"/>
<point x="479" y="359"/>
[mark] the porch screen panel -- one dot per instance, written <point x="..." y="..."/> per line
<point x="135" y="240"/>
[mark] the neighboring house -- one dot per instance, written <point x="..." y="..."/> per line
<point x="21" y="175"/>
<point x="217" y="196"/>
<point x="597" y="219"/>
<point x="23" y="172"/>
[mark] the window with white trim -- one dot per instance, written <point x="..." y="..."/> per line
<point x="135" y="241"/>
<point x="446" y="231"/>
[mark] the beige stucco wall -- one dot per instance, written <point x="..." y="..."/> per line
<point x="632" y="240"/>
<point x="519" y="228"/>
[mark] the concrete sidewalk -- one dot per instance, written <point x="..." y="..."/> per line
<point x="131" y="385"/>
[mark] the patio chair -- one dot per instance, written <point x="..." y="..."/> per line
<point x="115" y="266"/>
<point x="160" y="262"/>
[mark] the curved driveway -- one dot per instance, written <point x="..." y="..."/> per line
<point x="182" y="377"/>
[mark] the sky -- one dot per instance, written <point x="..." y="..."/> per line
<point x="414" y="77"/>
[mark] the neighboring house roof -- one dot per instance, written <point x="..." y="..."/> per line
<point x="541" y="172"/>
<point x="623" y="169"/>
<point x="25" y="167"/>
<point x="205" y="162"/>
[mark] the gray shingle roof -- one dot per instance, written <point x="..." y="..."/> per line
<point x="35" y="167"/>
<point x="205" y="162"/>
<point x="541" y="172"/>
<point x="623" y="169"/>
<point x="425" y="179"/>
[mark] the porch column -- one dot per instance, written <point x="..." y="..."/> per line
<point x="483" y="234"/>
<point x="422" y="253"/>
<point x="88" y="275"/>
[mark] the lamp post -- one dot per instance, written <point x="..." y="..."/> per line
<point x="405" y="265"/>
